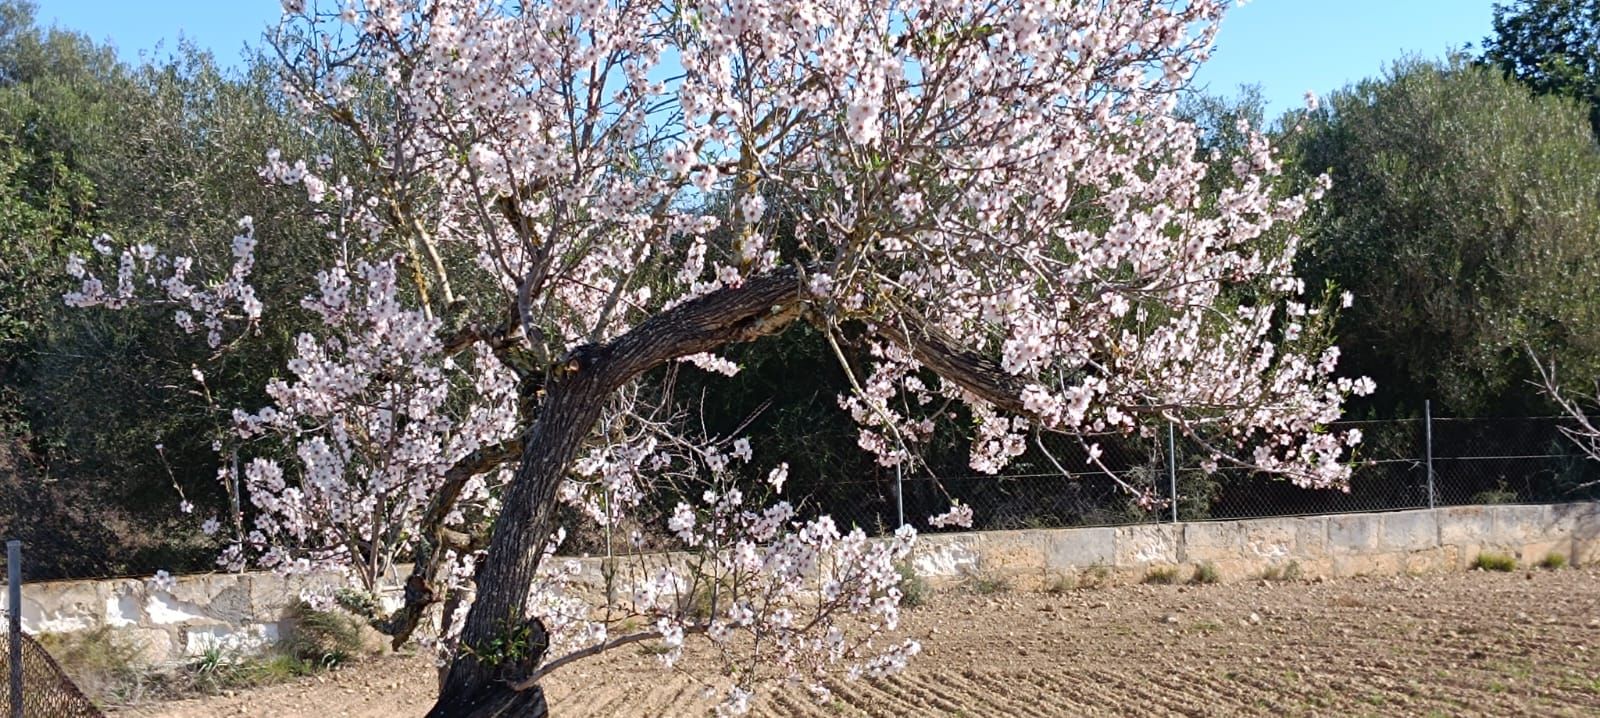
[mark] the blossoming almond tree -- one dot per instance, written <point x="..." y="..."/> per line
<point x="1578" y="410"/>
<point x="559" y="198"/>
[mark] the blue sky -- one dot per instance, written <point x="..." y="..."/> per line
<point x="1286" y="46"/>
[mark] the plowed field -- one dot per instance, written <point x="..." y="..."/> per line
<point x="1478" y="644"/>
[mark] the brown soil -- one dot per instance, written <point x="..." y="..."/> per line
<point x="1477" y="643"/>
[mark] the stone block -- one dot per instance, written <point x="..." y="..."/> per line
<point x="156" y="646"/>
<point x="1267" y="541"/>
<point x="1438" y="559"/>
<point x="945" y="556"/>
<point x="63" y="606"/>
<point x="1079" y="548"/>
<point x="1310" y="536"/>
<point x="248" y="639"/>
<point x="1369" y="564"/>
<point x="124" y="602"/>
<point x="1465" y="525"/>
<point x="1353" y="533"/>
<point x="1410" y="530"/>
<point x="1515" y="525"/>
<point x="1582" y="519"/>
<point x="1143" y="544"/>
<point x="1212" y="541"/>
<point x="1013" y="552"/>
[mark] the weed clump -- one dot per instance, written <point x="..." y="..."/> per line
<point x="106" y="665"/>
<point x="1288" y="572"/>
<point x="986" y="584"/>
<point x="322" y="638"/>
<point x="1490" y="561"/>
<point x="914" y="589"/>
<point x="1205" y="572"/>
<point x="1096" y="576"/>
<point x="1060" y="583"/>
<point x="1161" y="575"/>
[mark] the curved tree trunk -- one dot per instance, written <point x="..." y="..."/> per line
<point x="479" y="680"/>
<point x="477" y="685"/>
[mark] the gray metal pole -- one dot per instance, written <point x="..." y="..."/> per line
<point x="14" y="616"/>
<point x="899" y="495"/>
<point x="1172" y="469"/>
<point x="1427" y="437"/>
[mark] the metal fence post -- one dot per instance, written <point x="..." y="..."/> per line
<point x="1172" y="469"/>
<point x="1427" y="438"/>
<point x="899" y="495"/>
<point x="14" y="618"/>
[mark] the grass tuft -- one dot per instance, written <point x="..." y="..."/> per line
<point x="1490" y="561"/>
<point x="914" y="589"/>
<point x="1553" y="561"/>
<point x="987" y="584"/>
<point x="1161" y="575"/>
<point x="322" y="638"/>
<point x="1096" y="576"/>
<point x="1205" y="572"/>
<point x="1060" y="583"/>
<point x="1288" y="572"/>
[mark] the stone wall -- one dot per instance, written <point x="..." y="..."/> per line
<point x="1446" y="539"/>
<point x="248" y="611"/>
<point x="232" y="612"/>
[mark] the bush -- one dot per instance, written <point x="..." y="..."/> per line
<point x="1490" y="561"/>
<point x="1553" y="561"/>
<point x="1498" y="495"/>
<point x="1206" y="572"/>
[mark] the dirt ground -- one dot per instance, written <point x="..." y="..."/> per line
<point x="1485" y="644"/>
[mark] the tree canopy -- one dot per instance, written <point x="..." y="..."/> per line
<point x="1553" y="46"/>
<point x="1463" y="217"/>
<point x="534" y="210"/>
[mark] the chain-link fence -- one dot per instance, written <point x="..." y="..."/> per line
<point x="33" y="685"/>
<point x="1160" y="477"/>
<point x="46" y="691"/>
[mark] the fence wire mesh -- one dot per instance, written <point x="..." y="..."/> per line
<point x="1474" y="461"/>
<point x="46" y="690"/>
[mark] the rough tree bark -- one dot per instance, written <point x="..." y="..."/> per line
<point x="479" y="681"/>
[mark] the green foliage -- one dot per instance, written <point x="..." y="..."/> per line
<point x="914" y="589"/>
<point x="1096" y="576"/>
<point x="1551" y="45"/>
<point x="1462" y="217"/>
<point x="1286" y="572"/>
<point x="988" y="584"/>
<point x="1501" y="494"/>
<point x="1205" y="572"/>
<point x="106" y="665"/>
<point x="322" y="638"/>
<point x="89" y="145"/>
<point x="1060" y="583"/>
<point x="1161" y="575"/>
<point x="217" y="670"/>
<point x="512" y="645"/>
<point x="1553" y="561"/>
<point x="1491" y="561"/>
